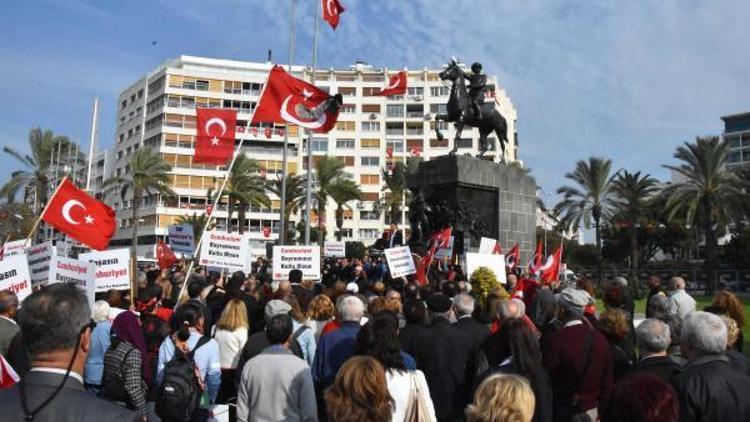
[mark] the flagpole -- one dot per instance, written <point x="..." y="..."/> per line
<point x="309" y="137"/>
<point x="403" y="191"/>
<point x="284" y="170"/>
<point x="92" y="141"/>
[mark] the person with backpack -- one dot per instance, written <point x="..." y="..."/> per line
<point x="123" y="381"/>
<point x="189" y="370"/>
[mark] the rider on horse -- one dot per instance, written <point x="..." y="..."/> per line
<point x="477" y="83"/>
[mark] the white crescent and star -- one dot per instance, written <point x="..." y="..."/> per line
<point x="394" y="82"/>
<point x="68" y="206"/>
<point x="215" y="121"/>
<point x="332" y="9"/>
<point x="547" y="265"/>
<point x="289" y="117"/>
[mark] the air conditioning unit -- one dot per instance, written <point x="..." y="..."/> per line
<point x="417" y="98"/>
<point x="360" y="206"/>
<point x="373" y="116"/>
<point x="427" y="117"/>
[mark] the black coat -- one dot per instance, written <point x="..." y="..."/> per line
<point x="477" y="331"/>
<point x="72" y="404"/>
<point x="710" y="389"/>
<point x="407" y="336"/>
<point x="444" y="354"/>
<point x="663" y="367"/>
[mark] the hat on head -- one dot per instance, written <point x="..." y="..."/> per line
<point x="573" y="300"/>
<point x="276" y="307"/>
<point x="439" y="303"/>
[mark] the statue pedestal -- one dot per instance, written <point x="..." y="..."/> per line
<point x="501" y="199"/>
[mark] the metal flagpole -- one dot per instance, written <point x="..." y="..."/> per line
<point x="309" y="135"/>
<point x="92" y="141"/>
<point x="282" y="213"/>
<point x="403" y="191"/>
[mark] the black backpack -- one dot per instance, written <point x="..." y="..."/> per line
<point x="179" y="394"/>
<point x="294" y="345"/>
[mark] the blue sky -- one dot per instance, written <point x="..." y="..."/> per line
<point x="626" y="80"/>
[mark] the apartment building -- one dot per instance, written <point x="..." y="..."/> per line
<point x="158" y="111"/>
<point x="737" y="134"/>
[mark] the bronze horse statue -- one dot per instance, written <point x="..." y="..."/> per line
<point x="461" y="113"/>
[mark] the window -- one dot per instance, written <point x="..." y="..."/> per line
<point x="746" y="140"/>
<point x="119" y="155"/>
<point x="415" y="110"/>
<point x="140" y="93"/>
<point x="370" y="91"/>
<point x="346" y="233"/>
<point x="412" y="144"/>
<point x="319" y="145"/>
<point x="414" y="128"/>
<point x="370" y="196"/>
<point x="369" y="215"/>
<point x="466" y="143"/>
<point x="415" y="90"/>
<point x="370" y="126"/>
<point x="394" y="110"/>
<point x="442" y="125"/>
<point x="734" y="157"/>
<point x="368" y="233"/>
<point x="122" y="137"/>
<point x="124" y="104"/>
<point x="369" y="179"/>
<point x="438" y="108"/>
<point x="348" y="109"/>
<point x="734" y="141"/>
<point x="348" y="91"/>
<point x="397" y="145"/>
<point x="439" y="91"/>
<point x="345" y="126"/>
<point x="370" y="143"/>
<point x="201" y="85"/>
<point x="394" y="128"/>
<point x="345" y="144"/>
<point x="347" y="160"/>
<point x="370" y="108"/>
<point x="437" y="143"/>
<point x="370" y="161"/>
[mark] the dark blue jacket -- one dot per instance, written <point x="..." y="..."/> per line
<point x="333" y="350"/>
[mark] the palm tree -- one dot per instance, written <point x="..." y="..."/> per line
<point x="590" y="200"/>
<point x="295" y="191"/>
<point x="395" y="183"/>
<point x="343" y="190"/>
<point x="328" y="170"/>
<point x="634" y="194"/>
<point x="709" y="196"/>
<point x="43" y="146"/>
<point x="197" y="222"/>
<point x="148" y="174"/>
<point x="245" y="187"/>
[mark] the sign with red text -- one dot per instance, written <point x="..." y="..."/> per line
<point x="303" y="258"/>
<point x="14" y="276"/>
<point x="181" y="239"/>
<point x="81" y="273"/>
<point x="400" y="261"/>
<point x="112" y="268"/>
<point x="226" y="250"/>
<point x="39" y="257"/>
<point x="15" y="247"/>
<point x="334" y="249"/>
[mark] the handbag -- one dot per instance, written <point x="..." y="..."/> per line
<point x="416" y="410"/>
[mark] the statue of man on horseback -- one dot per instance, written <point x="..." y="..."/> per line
<point x="466" y="107"/>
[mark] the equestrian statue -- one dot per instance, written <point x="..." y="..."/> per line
<point x="466" y="107"/>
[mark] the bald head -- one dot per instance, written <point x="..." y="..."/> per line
<point x="511" y="309"/>
<point x="676" y="283"/>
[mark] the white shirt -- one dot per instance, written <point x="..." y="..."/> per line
<point x="59" y="371"/>
<point x="399" y="387"/>
<point x="230" y="346"/>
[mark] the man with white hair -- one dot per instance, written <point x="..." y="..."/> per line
<point x="338" y="346"/>
<point x="680" y="303"/>
<point x="654" y="338"/>
<point x="463" y="307"/>
<point x="709" y="388"/>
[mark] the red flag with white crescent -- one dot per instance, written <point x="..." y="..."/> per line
<point x="292" y="100"/>
<point x="416" y="151"/>
<point x="511" y="260"/>
<point x="536" y="260"/>
<point x="497" y="250"/>
<point x="550" y="271"/>
<point x="396" y="85"/>
<point x="216" y="132"/>
<point x="75" y="213"/>
<point x="165" y="256"/>
<point x="332" y="10"/>
<point x="8" y="376"/>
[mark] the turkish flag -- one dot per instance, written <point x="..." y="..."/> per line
<point x="292" y="100"/>
<point x="416" y="151"/>
<point x="550" y="271"/>
<point x="75" y="213"/>
<point x="332" y="10"/>
<point x="536" y="261"/>
<point x="442" y="238"/>
<point x="497" y="250"/>
<point x="216" y="133"/>
<point x="396" y="85"/>
<point x="165" y="256"/>
<point x="511" y="260"/>
<point x="389" y="152"/>
<point x="8" y="376"/>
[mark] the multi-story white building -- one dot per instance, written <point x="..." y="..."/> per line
<point x="158" y="111"/>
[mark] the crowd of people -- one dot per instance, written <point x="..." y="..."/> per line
<point x="359" y="345"/>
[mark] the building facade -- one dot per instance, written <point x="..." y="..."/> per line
<point x="737" y="134"/>
<point x="158" y="111"/>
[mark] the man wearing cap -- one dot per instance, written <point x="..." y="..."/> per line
<point x="444" y="353"/>
<point x="578" y="360"/>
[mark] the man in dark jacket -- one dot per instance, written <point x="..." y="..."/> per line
<point x="414" y="313"/>
<point x="463" y="306"/>
<point x="56" y="327"/>
<point x="444" y="354"/>
<point x="709" y="388"/>
<point x="654" y="338"/>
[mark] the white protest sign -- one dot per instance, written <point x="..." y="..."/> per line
<point x="334" y="249"/>
<point x="226" y="250"/>
<point x="400" y="262"/>
<point x="487" y="245"/>
<point x="68" y="270"/>
<point x="15" y="247"/>
<point x="494" y="262"/>
<point x="112" y="268"/>
<point x="39" y="257"/>
<point x="181" y="238"/>
<point x="304" y="258"/>
<point x="445" y="252"/>
<point x="14" y="276"/>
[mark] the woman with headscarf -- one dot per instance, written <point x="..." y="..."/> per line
<point x="123" y="364"/>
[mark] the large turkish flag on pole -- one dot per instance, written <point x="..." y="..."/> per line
<point x="292" y="100"/>
<point x="396" y="85"/>
<point x="332" y="10"/>
<point x="75" y="213"/>
<point x="216" y="133"/>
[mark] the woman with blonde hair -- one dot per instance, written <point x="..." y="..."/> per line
<point x="360" y="392"/>
<point x="319" y="313"/>
<point x="231" y="333"/>
<point x="502" y="398"/>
